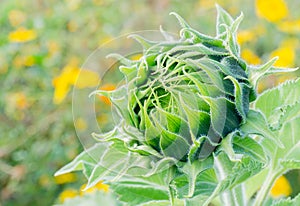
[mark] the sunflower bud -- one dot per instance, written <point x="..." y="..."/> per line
<point x="186" y="95"/>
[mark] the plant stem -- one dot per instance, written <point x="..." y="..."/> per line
<point x="265" y="188"/>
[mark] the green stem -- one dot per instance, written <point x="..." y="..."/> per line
<point x="265" y="188"/>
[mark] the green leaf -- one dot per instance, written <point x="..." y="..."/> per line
<point x="202" y="38"/>
<point x="290" y="164"/>
<point x="256" y="124"/>
<point x="144" y="42"/>
<point x="136" y="193"/>
<point x="116" y="162"/>
<point x="240" y="99"/>
<point x="223" y="18"/>
<point x="88" y="157"/>
<point x="272" y="101"/>
<point x="192" y="170"/>
<point x="205" y="184"/>
<point x="289" y="135"/>
<point x="256" y="73"/>
<point x="289" y="113"/>
<point x="287" y="201"/>
<point x="230" y="175"/>
<point x="283" y="158"/>
<point x="248" y="146"/>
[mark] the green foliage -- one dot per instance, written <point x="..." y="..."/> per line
<point x="37" y="136"/>
<point x="182" y="98"/>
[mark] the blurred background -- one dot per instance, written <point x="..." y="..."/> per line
<point x="42" y="47"/>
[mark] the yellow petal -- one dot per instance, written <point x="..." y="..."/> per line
<point x="69" y="193"/>
<point x="290" y="26"/>
<point x="61" y="89"/>
<point x="87" y="78"/>
<point x="80" y="124"/>
<point x="22" y="35"/>
<point x="286" y="56"/>
<point x="281" y="188"/>
<point x="250" y="57"/>
<point x="271" y="10"/>
<point x="98" y="186"/>
<point x="65" y="178"/>
<point x="245" y="36"/>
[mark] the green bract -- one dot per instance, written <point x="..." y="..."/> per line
<point x="179" y="102"/>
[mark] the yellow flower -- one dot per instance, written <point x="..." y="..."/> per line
<point x="72" y="26"/>
<point x="22" y="35"/>
<point x="16" y="17"/>
<point x="290" y="26"/>
<point x="136" y="57"/>
<point x="98" y="2"/>
<point x="271" y="10"/>
<point x="98" y="186"/>
<point x="72" y="75"/>
<point x="286" y="56"/>
<point x="65" y="178"/>
<point x="80" y="124"/>
<point x="245" y="36"/>
<point x="206" y="4"/>
<point x="68" y="193"/>
<point x="86" y="78"/>
<point x="29" y="61"/>
<point x="281" y="188"/>
<point x="105" y="40"/>
<point x="250" y="57"/>
<point x="23" y="61"/>
<point x="17" y="100"/>
<point x="73" y="4"/>
<point x="63" y="82"/>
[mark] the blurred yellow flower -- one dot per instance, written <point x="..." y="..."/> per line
<point x="22" y="35"/>
<point x="98" y="186"/>
<point x="136" y="57"/>
<point x="250" y="56"/>
<point x="206" y="4"/>
<point x="23" y="61"/>
<point x="73" y="4"/>
<point x="290" y="26"/>
<point x="72" y="26"/>
<point x="87" y="78"/>
<point x="80" y="124"/>
<point x="16" y="17"/>
<point x="98" y="2"/>
<point x="68" y="193"/>
<point x="29" y="61"/>
<point x="65" y="178"/>
<point x="245" y="36"/>
<point x="63" y="82"/>
<point x="105" y="40"/>
<point x="17" y="100"/>
<point x="44" y="180"/>
<point x="72" y="75"/>
<point x="271" y="10"/>
<point x="281" y="188"/>
<point x="286" y="56"/>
